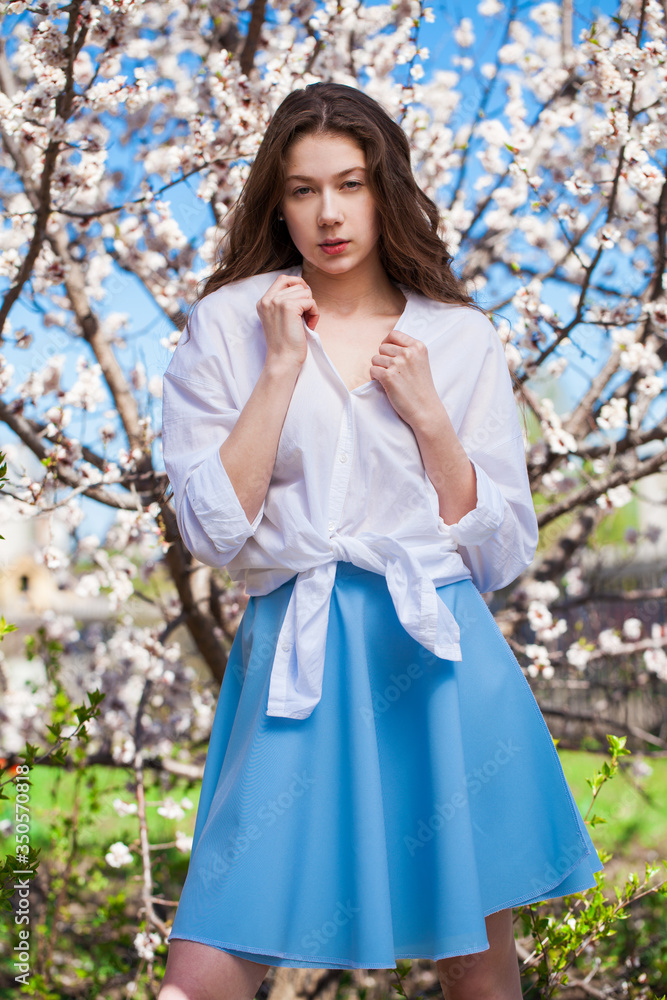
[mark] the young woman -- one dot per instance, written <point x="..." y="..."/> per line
<point x="340" y="432"/>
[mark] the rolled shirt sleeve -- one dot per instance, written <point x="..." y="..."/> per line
<point x="197" y="417"/>
<point x="497" y="539"/>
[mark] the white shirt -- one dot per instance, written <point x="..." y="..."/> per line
<point x="349" y="481"/>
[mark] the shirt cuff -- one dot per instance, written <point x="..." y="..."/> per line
<point x="216" y="505"/>
<point x="486" y="516"/>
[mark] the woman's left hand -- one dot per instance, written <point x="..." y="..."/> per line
<point x="403" y="370"/>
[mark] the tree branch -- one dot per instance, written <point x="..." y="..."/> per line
<point x="253" y="36"/>
<point x="635" y="470"/>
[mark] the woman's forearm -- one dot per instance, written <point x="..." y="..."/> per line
<point x="249" y="452"/>
<point x="447" y="465"/>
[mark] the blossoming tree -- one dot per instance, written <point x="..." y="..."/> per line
<point x="127" y="128"/>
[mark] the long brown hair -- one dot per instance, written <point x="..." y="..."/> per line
<point x="411" y="251"/>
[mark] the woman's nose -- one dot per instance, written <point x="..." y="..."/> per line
<point x="330" y="211"/>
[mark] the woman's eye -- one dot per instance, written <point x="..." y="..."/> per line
<point x="349" y="185"/>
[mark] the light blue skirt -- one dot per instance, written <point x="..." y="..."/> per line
<point x="419" y="796"/>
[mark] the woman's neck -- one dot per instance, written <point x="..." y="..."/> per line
<point x="365" y="292"/>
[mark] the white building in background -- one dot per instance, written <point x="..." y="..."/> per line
<point x="30" y="594"/>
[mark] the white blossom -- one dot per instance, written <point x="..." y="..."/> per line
<point x="558" y="628"/>
<point x="170" y="809"/>
<point x="489" y="8"/>
<point x="146" y="944"/>
<point x="613" y="414"/>
<point x="119" y="855"/>
<point x="542" y="590"/>
<point x="617" y="496"/>
<point x="609" y="641"/>
<point x="656" y="661"/>
<point x="124" y="808"/>
<point x="183" y="842"/>
<point x="578" y="656"/>
<point x="538" y="654"/>
<point x="632" y="628"/>
<point x="539" y="616"/>
<point x="464" y="34"/>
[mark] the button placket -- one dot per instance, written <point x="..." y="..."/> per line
<point x="341" y="468"/>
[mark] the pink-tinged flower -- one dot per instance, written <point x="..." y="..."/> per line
<point x="557" y="629"/>
<point x="539" y="616"/>
<point x="538" y="654"/>
<point x="617" y="496"/>
<point x="146" y="944"/>
<point x="608" y="237"/>
<point x="650" y="386"/>
<point x="658" y="312"/>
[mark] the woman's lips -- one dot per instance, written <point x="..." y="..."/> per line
<point x="333" y="248"/>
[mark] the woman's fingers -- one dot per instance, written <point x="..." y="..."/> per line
<point x="282" y="310"/>
<point x="312" y="314"/>
<point x="380" y="361"/>
<point x="391" y="350"/>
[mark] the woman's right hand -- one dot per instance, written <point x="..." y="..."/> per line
<point x="282" y="309"/>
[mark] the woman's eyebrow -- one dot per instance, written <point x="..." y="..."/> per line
<point x="341" y="173"/>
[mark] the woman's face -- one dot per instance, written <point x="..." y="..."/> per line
<point x="327" y="205"/>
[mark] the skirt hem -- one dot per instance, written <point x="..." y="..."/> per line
<point x="340" y="963"/>
<point x="336" y="963"/>
<point x="541" y="896"/>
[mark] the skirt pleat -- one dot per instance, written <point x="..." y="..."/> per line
<point x="419" y="796"/>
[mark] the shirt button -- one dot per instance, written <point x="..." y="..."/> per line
<point x="332" y="525"/>
<point x="286" y="646"/>
<point x="342" y="457"/>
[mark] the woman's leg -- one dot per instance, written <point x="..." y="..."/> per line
<point x="200" y="972"/>
<point x="485" y="975"/>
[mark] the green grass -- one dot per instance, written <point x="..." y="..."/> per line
<point x="53" y="788"/>
<point x="635" y="808"/>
